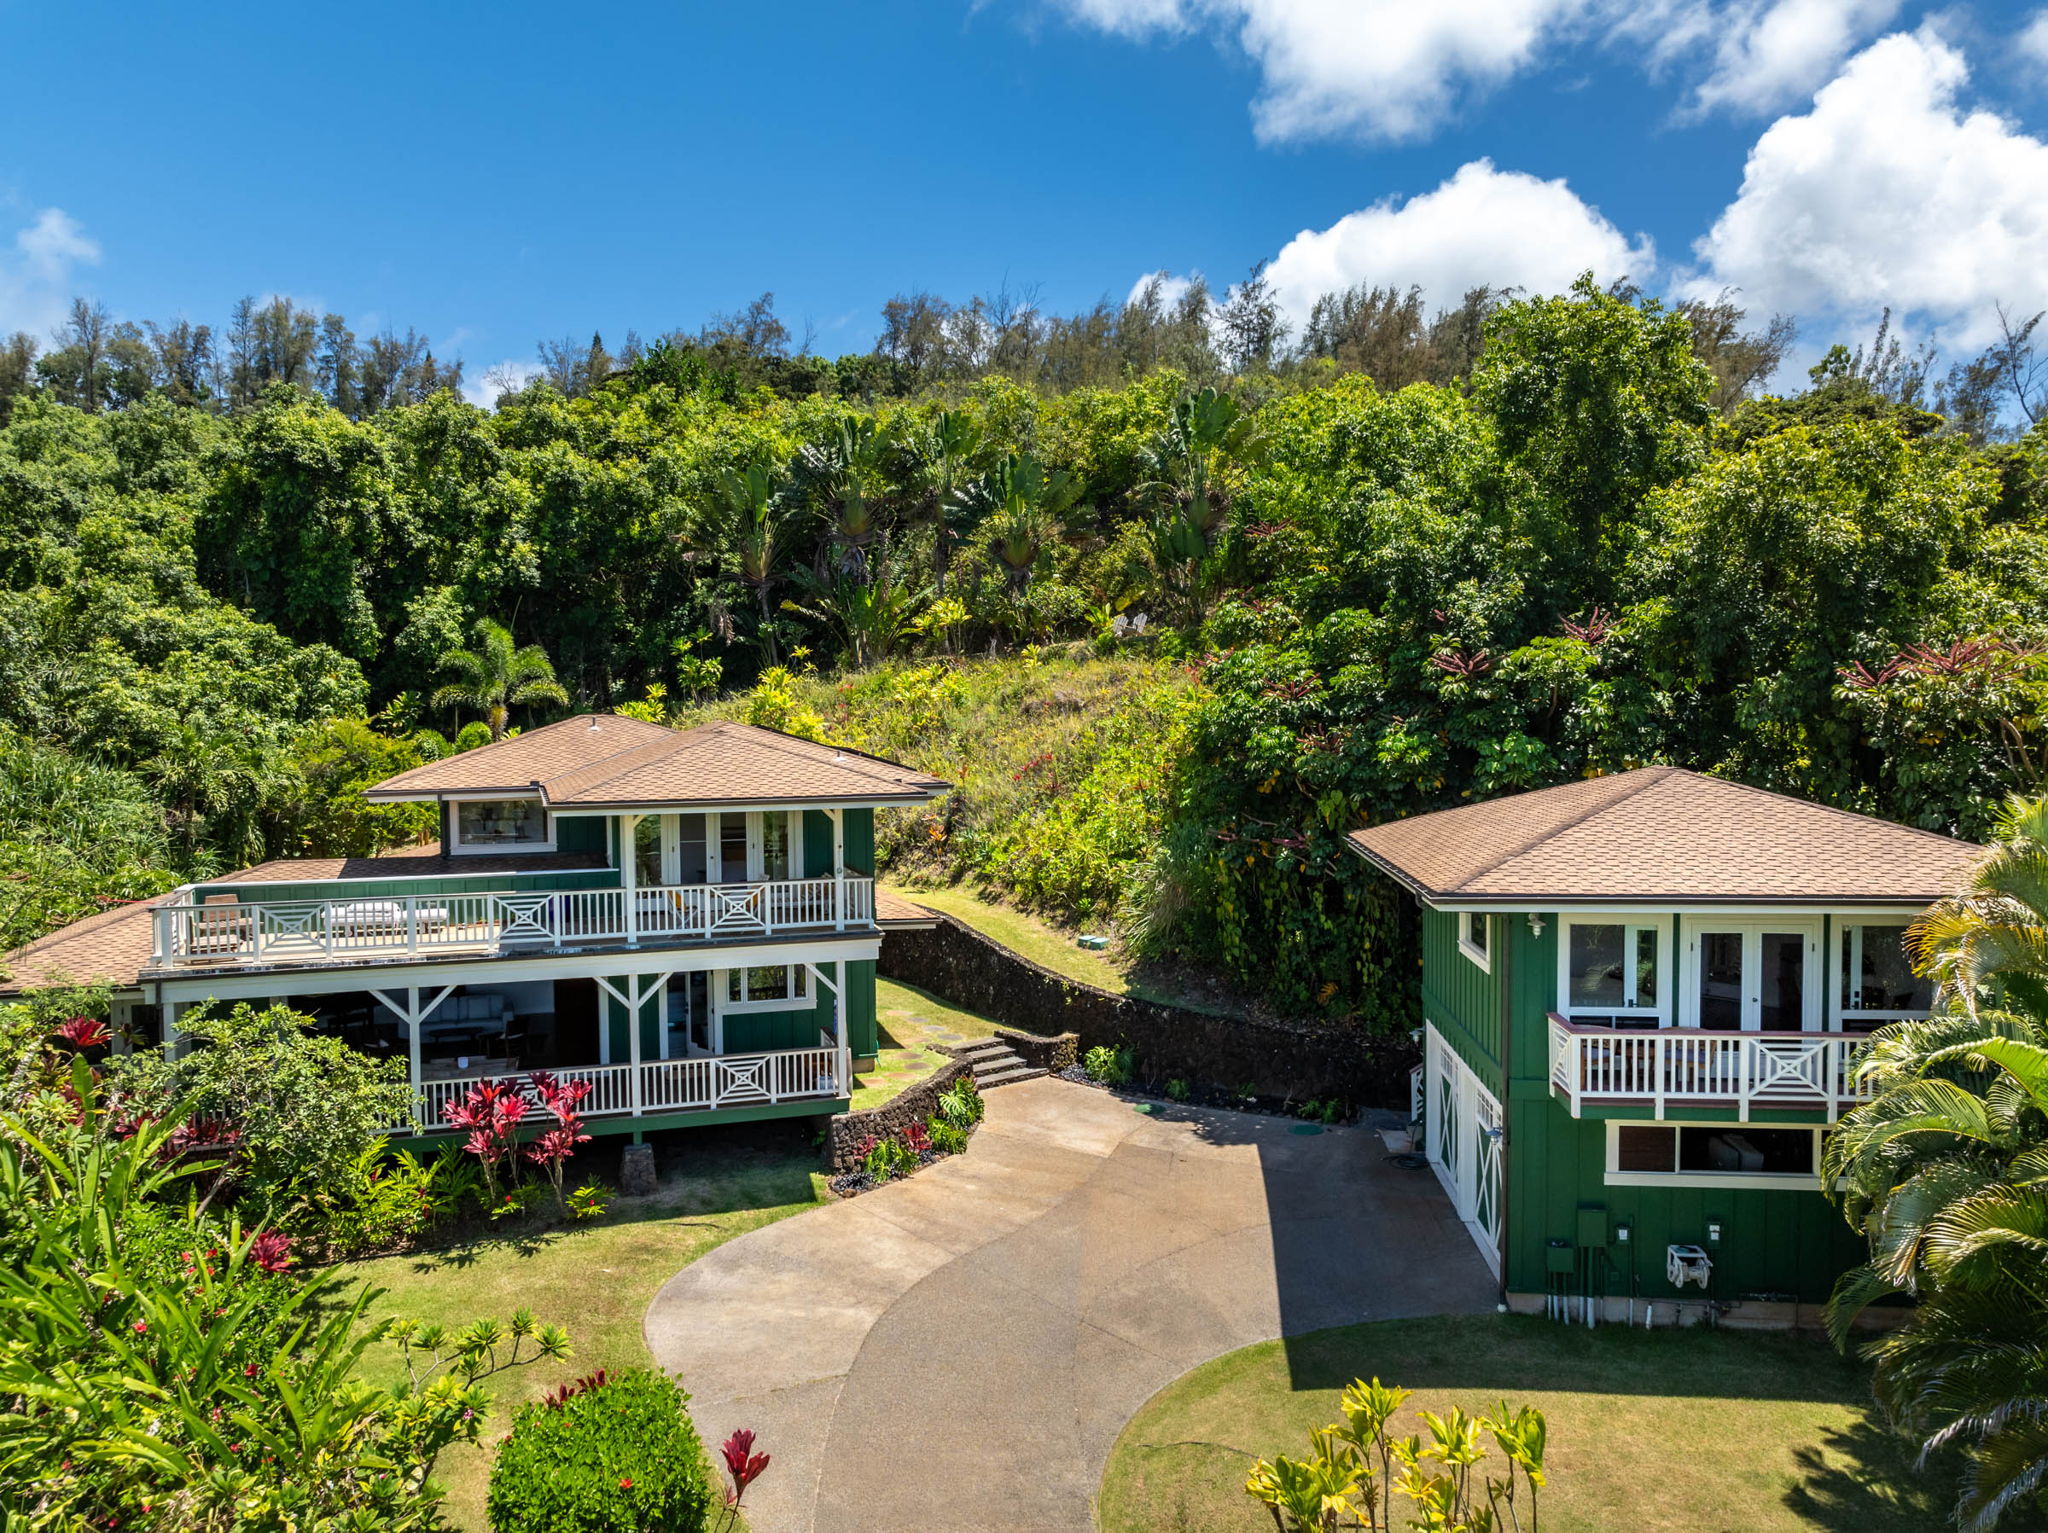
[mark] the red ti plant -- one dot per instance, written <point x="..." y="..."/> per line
<point x="551" y="1151"/>
<point x="489" y="1115"/>
<point x="83" y="1032"/>
<point x="271" y="1251"/>
<point x="745" y="1466"/>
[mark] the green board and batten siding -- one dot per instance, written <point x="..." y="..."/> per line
<point x="1776" y="1242"/>
<point x="1460" y="999"/>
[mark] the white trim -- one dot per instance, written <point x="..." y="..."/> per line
<point x="1745" y="910"/>
<point x="456" y="847"/>
<point x="1630" y="921"/>
<point x="1481" y="956"/>
<point x="1813" y="1011"/>
<point x="797" y="973"/>
<point x="616" y="962"/>
<point x="1716" y="1181"/>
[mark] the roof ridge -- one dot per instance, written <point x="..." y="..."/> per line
<point x="1651" y="776"/>
<point x="841" y="753"/>
<point x="1836" y="809"/>
<point x="605" y="768"/>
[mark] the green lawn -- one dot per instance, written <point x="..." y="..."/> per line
<point x="1680" y="1430"/>
<point x="594" y="1280"/>
<point x="911" y="1022"/>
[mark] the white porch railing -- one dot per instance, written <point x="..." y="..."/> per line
<point x="1688" y="1067"/>
<point x="377" y="926"/>
<point x="668" y="1085"/>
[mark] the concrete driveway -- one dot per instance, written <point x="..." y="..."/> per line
<point x="958" y="1351"/>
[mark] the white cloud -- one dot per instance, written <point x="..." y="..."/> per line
<point x="1395" y="69"/>
<point x="483" y="388"/>
<point x="1888" y="192"/>
<point x="1771" y="55"/>
<point x="1171" y="288"/>
<point x="36" y="279"/>
<point x="2033" y="39"/>
<point x="1482" y="226"/>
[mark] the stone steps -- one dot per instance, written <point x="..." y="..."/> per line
<point x="995" y="1063"/>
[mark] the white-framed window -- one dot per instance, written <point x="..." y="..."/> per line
<point x="1730" y="1155"/>
<point x="501" y="825"/>
<point x="1613" y="971"/>
<point x="767" y="987"/>
<point x="1878" y="984"/>
<point x="1475" y="934"/>
<point x="732" y="846"/>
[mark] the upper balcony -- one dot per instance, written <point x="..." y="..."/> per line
<point x="1688" y="1067"/>
<point x="225" y="931"/>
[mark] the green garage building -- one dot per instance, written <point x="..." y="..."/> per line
<point x="1644" y="996"/>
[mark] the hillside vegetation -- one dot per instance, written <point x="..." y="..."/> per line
<point x="1172" y="642"/>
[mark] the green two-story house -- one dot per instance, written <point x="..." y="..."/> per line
<point x="686" y="919"/>
<point x="1643" y="999"/>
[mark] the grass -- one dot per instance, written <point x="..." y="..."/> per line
<point x="910" y="1022"/>
<point x="595" y="1280"/>
<point x="1052" y="947"/>
<point x="1688" y="1430"/>
<point x="1021" y="932"/>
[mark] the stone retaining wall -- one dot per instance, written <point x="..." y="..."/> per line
<point x="1049" y="1054"/>
<point x="1281" y="1060"/>
<point x="914" y="1105"/>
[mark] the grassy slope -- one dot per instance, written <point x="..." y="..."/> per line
<point x="593" y="1280"/>
<point x="1687" y="1431"/>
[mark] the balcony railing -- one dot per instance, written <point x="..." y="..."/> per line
<point x="666" y="1085"/>
<point x="1687" y="1067"/>
<point x="400" y="926"/>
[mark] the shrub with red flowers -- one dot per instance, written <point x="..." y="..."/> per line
<point x="604" y="1455"/>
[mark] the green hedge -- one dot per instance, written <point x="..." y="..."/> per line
<point x="618" y="1458"/>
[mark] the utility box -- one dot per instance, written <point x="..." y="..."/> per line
<point x="1560" y="1257"/>
<point x="1593" y="1229"/>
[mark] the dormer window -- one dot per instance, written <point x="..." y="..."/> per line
<point x="502" y="824"/>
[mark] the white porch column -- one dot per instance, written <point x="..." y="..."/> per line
<point x="640" y="989"/>
<point x="413" y="1013"/>
<point x="845" y="1060"/>
<point x="838" y="817"/>
<point x="629" y="871"/>
<point x="174" y="1040"/>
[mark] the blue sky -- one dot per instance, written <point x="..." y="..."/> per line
<point x="494" y="174"/>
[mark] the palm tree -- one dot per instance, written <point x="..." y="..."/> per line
<point x="495" y="675"/>
<point x="1022" y="505"/>
<point x="1945" y="1171"/>
<point x="1184" y="468"/>
<point x="836" y="474"/>
<point x="935" y="458"/>
<point x="748" y="519"/>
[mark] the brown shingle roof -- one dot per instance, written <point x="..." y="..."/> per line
<point x="409" y="862"/>
<point x="1662" y="834"/>
<point x="111" y="947"/>
<point x="892" y="909"/>
<point x="607" y="761"/>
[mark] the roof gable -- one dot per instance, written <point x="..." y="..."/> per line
<point x="1662" y="835"/>
<point x="609" y="761"/>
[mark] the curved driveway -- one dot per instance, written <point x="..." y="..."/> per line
<point x="958" y="1351"/>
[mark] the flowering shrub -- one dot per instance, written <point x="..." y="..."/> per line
<point x="588" y="1201"/>
<point x="607" y="1455"/>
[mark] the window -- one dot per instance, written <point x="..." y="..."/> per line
<point x="774" y="987"/>
<point x="1473" y="931"/>
<point x="775" y="840"/>
<point x="1613" y="973"/>
<point x="1711" y="1155"/>
<point x="1878" y="982"/>
<point x="516" y="822"/>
